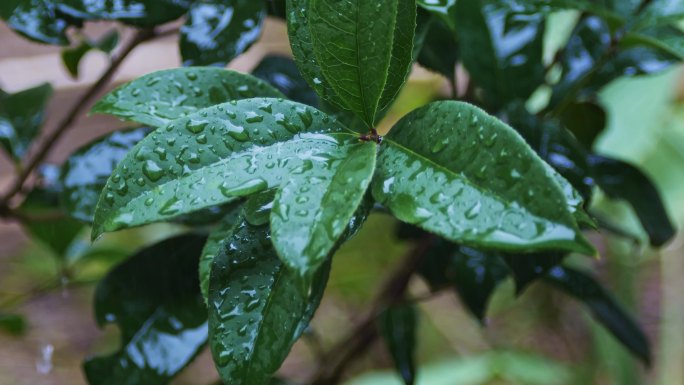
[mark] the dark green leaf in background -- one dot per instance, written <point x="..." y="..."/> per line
<point x="21" y="117"/>
<point x="398" y="327"/>
<point x="586" y="120"/>
<point x="451" y="169"/>
<point x="256" y="309"/>
<point x="282" y="73"/>
<point x="157" y="98"/>
<point x="154" y="298"/>
<point x="85" y="173"/>
<point x="603" y="307"/>
<point x="501" y="50"/>
<point x="143" y="13"/>
<point x="71" y="57"/>
<point x="217" y="31"/>
<point x="38" y="20"/>
<point x="356" y="55"/>
<point x="527" y="268"/>
<point x="440" y="51"/>
<point x="620" y="180"/>
<point x="12" y="323"/>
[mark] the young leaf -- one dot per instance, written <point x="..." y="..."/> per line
<point x="85" y="173"/>
<point x="141" y="13"/>
<point x="160" y="97"/>
<point x="398" y="327"/>
<point x="604" y="308"/>
<point x="155" y="300"/>
<point x="217" y="31"/>
<point x="38" y="20"/>
<point x="453" y="170"/>
<point x="21" y="117"/>
<point x="282" y="73"/>
<point x="256" y="309"/>
<point x="356" y="55"/>
<point x="501" y="50"/>
<point x="620" y="180"/>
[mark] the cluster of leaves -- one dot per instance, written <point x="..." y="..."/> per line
<point x="285" y="165"/>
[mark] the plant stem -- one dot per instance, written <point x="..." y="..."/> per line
<point x="76" y="111"/>
<point x="360" y="337"/>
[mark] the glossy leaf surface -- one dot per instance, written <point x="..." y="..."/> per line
<point x="451" y="169"/>
<point x="501" y="50"/>
<point x="398" y="327"/>
<point x="603" y="307"/>
<point x="620" y="180"/>
<point x="256" y="308"/>
<point x="155" y="300"/>
<point x="85" y="173"/>
<point x="21" y="117"/>
<point x="282" y="73"/>
<point x="217" y="31"/>
<point x="160" y="97"/>
<point x="362" y="50"/>
<point x="144" y="13"/>
<point x="38" y="20"/>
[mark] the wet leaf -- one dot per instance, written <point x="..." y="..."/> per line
<point x="21" y="117"/>
<point x="398" y="327"/>
<point x="155" y="300"/>
<point x="85" y="173"/>
<point x="620" y="180"/>
<point x="223" y="230"/>
<point x="217" y="31"/>
<point x="143" y="13"/>
<point x="603" y="307"/>
<point x="372" y="52"/>
<point x="453" y="170"/>
<point x="256" y="309"/>
<point x="282" y="73"/>
<point x="160" y="97"/>
<point x="38" y="20"/>
<point x="501" y="50"/>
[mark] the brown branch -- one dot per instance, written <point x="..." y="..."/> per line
<point x="76" y="111"/>
<point x="360" y="337"/>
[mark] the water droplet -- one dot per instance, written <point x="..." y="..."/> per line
<point x="196" y="126"/>
<point x="253" y="117"/>
<point x="249" y="187"/>
<point x="191" y="76"/>
<point x="439" y="145"/>
<point x="152" y="171"/>
<point x="171" y="206"/>
<point x="474" y="210"/>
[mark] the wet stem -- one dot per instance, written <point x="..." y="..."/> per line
<point x="44" y="147"/>
<point x="350" y="348"/>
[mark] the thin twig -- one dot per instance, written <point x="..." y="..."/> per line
<point x="360" y="337"/>
<point x="75" y="112"/>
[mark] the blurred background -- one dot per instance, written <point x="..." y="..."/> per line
<point x="540" y="337"/>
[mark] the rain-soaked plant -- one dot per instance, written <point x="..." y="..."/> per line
<point x="284" y="166"/>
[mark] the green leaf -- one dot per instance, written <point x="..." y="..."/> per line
<point x="220" y="154"/>
<point x="142" y="13"/>
<point x="223" y="230"/>
<point x="21" y="117"/>
<point x="256" y="309"/>
<point x="527" y="268"/>
<point x="85" y="173"/>
<point x="444" y="9"/>
<point x="356" y="55"/>
<point x="453" y="170"/>
<point x="38" y="20"/>
<point x="217" y="31"/>
<point x="155" y="300"/>
<point x="160" y="97"/>
<point x="620" y="180"/>
<point x="312" y="213"/>
<point x="668" y="39"/>
<point x="476" y="274"/>
<point x="586" y="120"/>
<point x="71" y="57"/>
<point x="398" y="328"/>
<point x="502" y="51"/>
<point x="12" y="324"/>
<point x="440" y="51"/>
<point x="603" y="307"/>
<point x="282" y="73"/>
